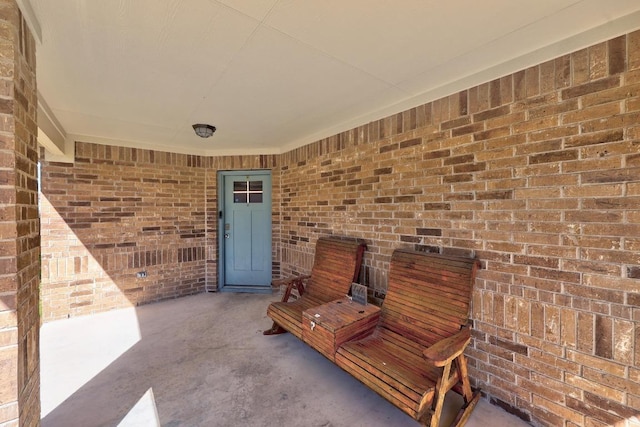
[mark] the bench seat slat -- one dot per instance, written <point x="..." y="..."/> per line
<point x="290" y="313"/>
<point x="336" y="265"/>
<point x="429" y="314"/>
<point x="424" y="333"/>
<point x="373" y="382"/>
<point x="428" y="299"/>
<point x="395" y="360"/>
<point x="418" y="285"/>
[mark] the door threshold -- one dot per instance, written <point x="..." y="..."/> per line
<point x="254" y="289"/>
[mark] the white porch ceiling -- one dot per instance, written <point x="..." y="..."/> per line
<point x="272" y="75"/>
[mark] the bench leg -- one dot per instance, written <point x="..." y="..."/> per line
<point x="432" y="416"/>
<point x="465" y="412"/>
<point x="470" y="398"/>
<point x="440" y="393"/>
<point x="463" y="377"/>
<point x="274" y="330"/>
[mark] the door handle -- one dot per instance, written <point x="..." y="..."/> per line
<point x="226" y="235"/>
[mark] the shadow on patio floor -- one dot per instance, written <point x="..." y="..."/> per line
<point x="202" y="361"/>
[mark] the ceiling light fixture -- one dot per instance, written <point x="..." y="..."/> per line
<point x="204" y="130"/>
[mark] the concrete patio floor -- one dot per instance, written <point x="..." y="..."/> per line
<point x="203" y="361"/>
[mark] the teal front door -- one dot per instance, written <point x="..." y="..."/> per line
<point x="245" y="231"/>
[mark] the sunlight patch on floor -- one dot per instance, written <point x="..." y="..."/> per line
<point x="98" y="341"/>
<point x="143" y="413"/>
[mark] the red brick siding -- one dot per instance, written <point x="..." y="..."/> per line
<point x="116" y="212"/>
<point x="538" y="175"/>
<point x="19" y="228"/>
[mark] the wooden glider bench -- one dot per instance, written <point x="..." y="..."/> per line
<point x="336" y="266"/>
<point x="415" y="354"/>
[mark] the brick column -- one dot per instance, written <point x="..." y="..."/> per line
<point x="19" y="224"/>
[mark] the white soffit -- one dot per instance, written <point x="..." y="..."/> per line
<point x="273" y="75"/>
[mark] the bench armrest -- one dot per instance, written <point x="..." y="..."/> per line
<point x="297" y="281"/>
<point x="447" y="349"/>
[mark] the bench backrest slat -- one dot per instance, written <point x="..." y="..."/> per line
<point x="336" y="265"/>
<point x="428" y="296"/>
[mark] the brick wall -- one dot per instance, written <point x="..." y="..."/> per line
<point x="538" y="175"/>
<point x="19" y="228"/>
<point x="116" y="212"/>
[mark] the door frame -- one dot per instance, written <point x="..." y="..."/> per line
<point x="221" y="177"/>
